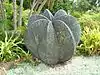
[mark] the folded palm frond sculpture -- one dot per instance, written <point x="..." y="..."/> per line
<point x="52" y="39"/>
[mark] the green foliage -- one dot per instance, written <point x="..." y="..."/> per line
<point x="27" y="4"/>
<point x="10" y="49"/>
<point x="6" y="23"/>
<point x="21" y="30"/>
<point x="91" y="42"/>
<point x="82" y="5"/>
<point x="11" y="43"/>
<point x="8" y="8"/>
<point x="66" y="5"/>
<point x="77" y="5"/>
<point x="1" y="30"/>
<point x="91" y="35"/>
<point x="77" y="14"/>
<point x="90" y="20"/>
<point x="96" y="17"/>
<point x="25" y="16"/>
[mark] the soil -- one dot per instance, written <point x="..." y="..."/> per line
<point x="4" y="66"/>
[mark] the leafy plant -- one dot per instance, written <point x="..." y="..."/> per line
<point x="90" y="36"/>
<point x="82" y="5"/>
<point x="91" y="42"/>
<point x="77" y="14"/>
<point x="66" y="5"/>
<point x="91" y="21"/>
<point x="25" y="16"/>
<point x="9" y="49"/>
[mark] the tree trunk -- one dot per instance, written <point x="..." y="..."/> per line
<point x="20" y="13"/>
<point x="0" y="10"/>
<point x="37" y="6"/>
<point x="2" y="13"/>
<point x="14" y="15"/>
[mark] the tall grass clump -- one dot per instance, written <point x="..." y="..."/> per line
<point x="9" y="47"/>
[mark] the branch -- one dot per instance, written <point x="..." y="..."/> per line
<point x="41" y="6"/>
<point x="31" y="10"/>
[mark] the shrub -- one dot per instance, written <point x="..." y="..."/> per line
<point x="90" y="36"/>
<point x="91" y="42"/>
<point x="77" y="14"/>
<point x="91" y="21"/>
<point x="66" y="5"/>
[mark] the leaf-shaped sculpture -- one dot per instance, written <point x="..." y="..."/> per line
<point x="73" y="25"/>
<point x="32" y="38"/>
<point x="60" y="12"/>
<point x="52" y="39"/>
<point x="48" y="14"/>
<point x="65" y="40"/>
<point x="35" y="17"/>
